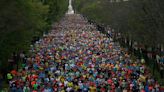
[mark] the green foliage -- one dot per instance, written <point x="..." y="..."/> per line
<point x="139" y="20"/>
<point x="21" y="20"/>
<point x="57" y="9"/>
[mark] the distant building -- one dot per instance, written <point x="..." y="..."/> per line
<point x="125" y="0"/>
<point x="118" y="0"/>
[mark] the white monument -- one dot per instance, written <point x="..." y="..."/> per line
<point x="70" y="9"/>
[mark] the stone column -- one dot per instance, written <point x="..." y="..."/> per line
<point x="70" y="8"/>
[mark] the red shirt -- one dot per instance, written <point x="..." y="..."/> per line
<point x="103" y="90"/>
<point x="161" y="89"/>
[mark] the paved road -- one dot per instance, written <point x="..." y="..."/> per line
<point x="75" y="57"/>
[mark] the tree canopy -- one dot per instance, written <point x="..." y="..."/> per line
<point x="139" y="20"/>
<point x="22" y="20"/>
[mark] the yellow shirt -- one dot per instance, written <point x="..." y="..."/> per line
<point x="92" y="89"/>
<point x="76" y="88"/>
<point x="70" y="84"/>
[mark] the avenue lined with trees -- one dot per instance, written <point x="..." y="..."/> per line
<point x="138" y="23"/>
<point x="99" y="46"/>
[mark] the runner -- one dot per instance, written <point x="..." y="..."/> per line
<point x="75" y="57"/>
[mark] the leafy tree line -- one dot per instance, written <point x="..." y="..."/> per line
<point x="23" y="20"/>
<point x="138" y="20"/>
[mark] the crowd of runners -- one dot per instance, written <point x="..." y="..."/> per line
<point x="75" y="57"/>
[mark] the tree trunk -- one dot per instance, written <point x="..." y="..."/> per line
<point x="161" y="47"/>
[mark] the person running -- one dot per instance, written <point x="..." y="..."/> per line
<point x="74" y="56"/>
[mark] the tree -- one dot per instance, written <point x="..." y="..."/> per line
<point x="22" y="20"/>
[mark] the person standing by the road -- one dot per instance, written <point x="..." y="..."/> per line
<point x="162" y="70"/>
